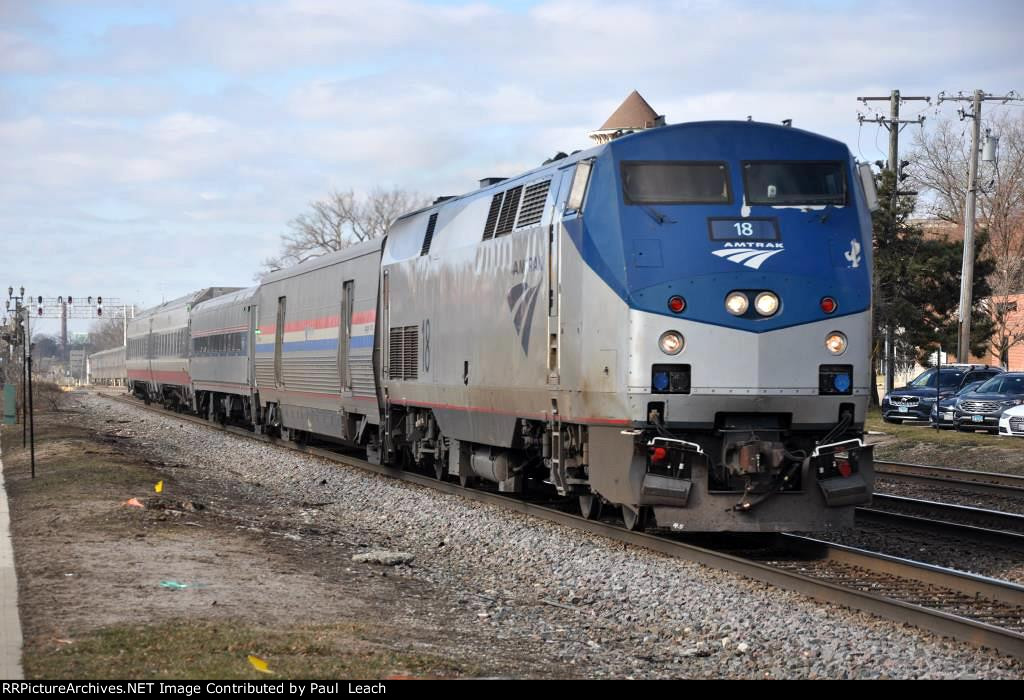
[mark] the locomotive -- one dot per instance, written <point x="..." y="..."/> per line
<point x="675" y="323"/>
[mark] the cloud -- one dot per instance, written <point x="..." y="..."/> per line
<point x="184" y="136"/>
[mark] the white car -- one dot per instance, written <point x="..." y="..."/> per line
<point x="1012" y="421"/>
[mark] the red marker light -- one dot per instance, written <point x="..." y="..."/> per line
<point x="658" y="455"/>
<point x="844" y="468"/>
<point x="828" y="305"/>
<point x="676" y="304"/>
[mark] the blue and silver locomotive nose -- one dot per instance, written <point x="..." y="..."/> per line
<point x="742" y="253"/>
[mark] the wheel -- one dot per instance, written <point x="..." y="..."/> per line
<point x="466" y="480"/>
<point x="635" y="519"/>
<point x="439" y="469"/>
<point x="590" y="506"/>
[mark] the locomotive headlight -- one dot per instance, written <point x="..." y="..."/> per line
<point x="737" y="303"/>
<point x="835" y="343"/>
<point x="671" y="342"/>
<point x="766" y="304"/>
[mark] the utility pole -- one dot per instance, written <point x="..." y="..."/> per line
<point x="893" y="124"/>
<point x="963" y="345"/>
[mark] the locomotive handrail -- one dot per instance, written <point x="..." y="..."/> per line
<point x="688" y="446"/>
<point x="855" y="441"/>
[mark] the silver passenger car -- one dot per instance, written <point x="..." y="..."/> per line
<point x="315" y="347"/>
<point x="107" y="367"/>
<point x="157" y="353"/>
<point x="222" y="331"/>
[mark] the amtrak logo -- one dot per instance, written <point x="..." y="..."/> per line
<point x="853" y="254"/>
<point x="751" y="255"/>
<point x="522" y="300"/>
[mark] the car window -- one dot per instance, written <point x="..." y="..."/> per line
<point x="971" y="386"/>
<point x="1003" y="384"/>
<point x="926" y="380"/>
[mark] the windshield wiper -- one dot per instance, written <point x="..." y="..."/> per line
<point x="658" y="217"/>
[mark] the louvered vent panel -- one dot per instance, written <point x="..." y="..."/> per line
<point x="508" y="211"/>
<point x="411" y="358"/>
<point x="429" y="235"/>
<point x="533" y="204"/>
<point x="404" y="353"/>
<point x="492" y="216"/>
<point x="361" y="369"/>
<point x="395" y="349"/>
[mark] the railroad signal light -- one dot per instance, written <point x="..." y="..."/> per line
<point x="99" y="306"/>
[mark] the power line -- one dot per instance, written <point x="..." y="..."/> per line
<point x="894" y="124"/>
<point x="963" y="348"/>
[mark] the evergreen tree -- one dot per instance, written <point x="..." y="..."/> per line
<point x="917" y="281"/>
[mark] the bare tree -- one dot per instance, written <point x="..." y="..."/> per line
<point x="340" y="220"/>
<point x="939" y="167"/>
<point x="107" y="332"/>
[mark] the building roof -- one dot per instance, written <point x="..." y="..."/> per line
<point x="633" y="113"/>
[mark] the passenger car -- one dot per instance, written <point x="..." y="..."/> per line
<point x="982" y="408"/>
<point x="942" y="413"/>
<point x="915" y="400"/>
<point x="1011" y="422"/>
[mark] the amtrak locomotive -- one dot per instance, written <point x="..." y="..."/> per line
<point x="675" y="323"/>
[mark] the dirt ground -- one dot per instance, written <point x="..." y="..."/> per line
<point x="98" y="579"/>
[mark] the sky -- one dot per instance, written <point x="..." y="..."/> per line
<point x="153" y="148"/>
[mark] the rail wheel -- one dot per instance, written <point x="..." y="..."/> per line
<point x="590" y="506"/>
<point x="634" y="518"/>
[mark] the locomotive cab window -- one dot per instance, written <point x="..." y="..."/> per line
<point x="795" y="182"/>
<point x="675" y="182"/>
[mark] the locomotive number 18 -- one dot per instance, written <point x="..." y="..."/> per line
<point x="744" y="229"/>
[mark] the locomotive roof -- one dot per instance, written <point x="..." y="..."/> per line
<point x="768" y="128"/>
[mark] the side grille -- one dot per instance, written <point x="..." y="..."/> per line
<point x="979" y="406"/>
<point x="508" y="211"/>
<point x="404" y="353"/>
<point x="533" y="204"/>
<point x="429" y="235"/>
<point x="492" y="216"/>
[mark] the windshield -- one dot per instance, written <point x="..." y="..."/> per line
<point x="671" y="182"/>
<point x="950" y="378"/>
<point x="795" y="182"/>
<point x="1003" y="384"/>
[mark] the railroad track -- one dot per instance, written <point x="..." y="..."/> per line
<point x="975" y="482"/>
<point x="975" y="609"/>
<point x="988" y="526"/>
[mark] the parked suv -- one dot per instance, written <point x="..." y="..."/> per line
<point x="942" y="414"/>
<point x="981" y="408"/>
<point x="915" y="400"/>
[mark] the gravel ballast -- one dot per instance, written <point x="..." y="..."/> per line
<point x="601" y="608"/>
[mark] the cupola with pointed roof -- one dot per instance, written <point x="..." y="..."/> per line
<point x="634" y="114"/>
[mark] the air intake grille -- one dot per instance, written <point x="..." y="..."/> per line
<point x="492" y="216"/>
<point x="508" y="211"/>
<point x="404" y="353"/>
<point x="430" y="234"/>
<point x="979" y="406"/>
<point x="533" y="204"/>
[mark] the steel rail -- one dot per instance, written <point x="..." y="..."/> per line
<point x="978" y="482"/>
<point x="1007" y="529"/>
<point x="973" y="631"/>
